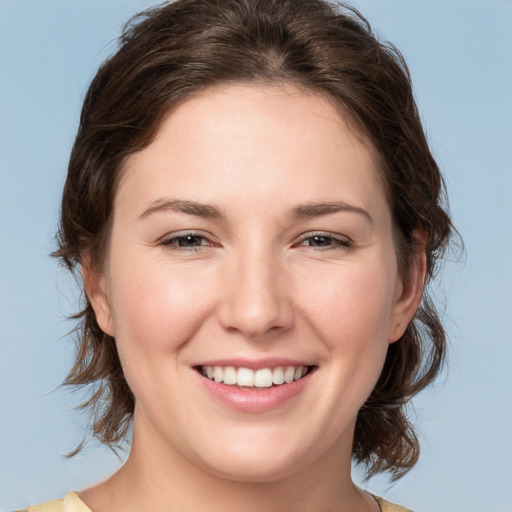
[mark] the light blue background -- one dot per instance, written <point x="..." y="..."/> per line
<point x="460" y="56"/>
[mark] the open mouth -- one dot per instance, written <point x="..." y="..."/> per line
<point x="246" y="378"/>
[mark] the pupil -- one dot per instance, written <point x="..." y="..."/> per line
<point x="321" y="240"/>
<point x="187" y="241"/>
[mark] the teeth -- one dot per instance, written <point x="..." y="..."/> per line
<point x="289" y="374"/>
<point x="278" y="375"/>
<point x="229" y="375"/>
<point x="218" y="374"/>
<point x="245" y="377"/>
<point x="262" y="378"/>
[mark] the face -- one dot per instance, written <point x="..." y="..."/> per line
<point x="252" y="283"/>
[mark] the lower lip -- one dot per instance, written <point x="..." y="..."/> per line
<point x="252" y="400"/>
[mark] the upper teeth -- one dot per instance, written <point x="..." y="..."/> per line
<point x="263" y="378"/>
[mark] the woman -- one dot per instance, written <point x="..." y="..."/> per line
<point x="255" y="213"/>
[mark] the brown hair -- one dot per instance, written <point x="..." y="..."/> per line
<point x="171" y="52"/>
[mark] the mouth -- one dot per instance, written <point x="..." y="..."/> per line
<point x="260" y="379"/>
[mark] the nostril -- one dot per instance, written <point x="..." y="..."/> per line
<point x="255" y="301"/>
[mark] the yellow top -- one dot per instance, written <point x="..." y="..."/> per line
<point x="72" y="503"/>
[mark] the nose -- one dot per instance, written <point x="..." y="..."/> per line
<point x="257" y="298"/>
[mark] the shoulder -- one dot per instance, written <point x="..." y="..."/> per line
<point x="386" y="506"/>
<point x="70" y="503"/>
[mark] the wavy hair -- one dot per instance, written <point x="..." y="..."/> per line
<point x="175" y="50"/>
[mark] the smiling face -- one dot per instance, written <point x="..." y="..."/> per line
<point x="251" y="283"/>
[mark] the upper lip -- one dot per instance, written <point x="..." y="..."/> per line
<point x="254" y="364"/>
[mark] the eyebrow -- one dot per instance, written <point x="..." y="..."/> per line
<point x="300" y="212"/>
<point x="183" y="206"/>
<point x="314" y="210"/>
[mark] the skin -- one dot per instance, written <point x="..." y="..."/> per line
<point x="251" y="283"/>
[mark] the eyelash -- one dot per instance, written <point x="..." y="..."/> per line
<point x="334" y="242"/>
<point x="173" y="242"/>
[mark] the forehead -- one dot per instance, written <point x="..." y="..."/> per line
<point x="244" y="140"/>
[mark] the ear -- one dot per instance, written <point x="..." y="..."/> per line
<point x="409" y="292"/>
<point x="95" y="286"/>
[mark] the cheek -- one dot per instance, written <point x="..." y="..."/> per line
<point x="157" y="308"/>
<point x="349" y="309"/>
<point x="350" y="303"/>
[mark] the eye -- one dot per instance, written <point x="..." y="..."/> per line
<point x="187" y="241"/>
<point x="323" y="241"/>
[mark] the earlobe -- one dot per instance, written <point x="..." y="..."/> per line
<point x="95" y="287"/>
<point x="409" y="293"/>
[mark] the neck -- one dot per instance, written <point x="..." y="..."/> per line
<point x="156" y="473"/>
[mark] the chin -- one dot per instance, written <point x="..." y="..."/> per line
<point x="248" y="471"/>
<point x="253" y="464"/>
